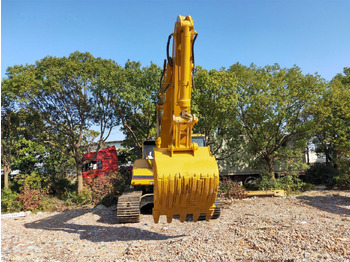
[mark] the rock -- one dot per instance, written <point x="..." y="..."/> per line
<point x="99" y="207"/>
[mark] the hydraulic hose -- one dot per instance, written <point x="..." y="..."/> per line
<point x="194" y="40"/>
<point x="166" y="88"/>
<point x="170" y="60"/>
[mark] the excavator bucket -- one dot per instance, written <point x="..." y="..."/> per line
<point x="184" y="183"/>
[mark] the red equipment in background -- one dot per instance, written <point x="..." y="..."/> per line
<point x="106" y="161"/>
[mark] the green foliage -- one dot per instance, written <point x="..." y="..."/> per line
<point x="273" y="109"/>
<point x="28" y="200"/>
<point x="125" y="156"/>
<point x="332" y="117"/>
<point x="84" y="198"/>
<point x="290" y="184"/>
<point x="70" y="94"/>
<point x="57" y="164"/>
<point x="63" y="185"/>
<point x="214" y="98"/>
<point x="48" y="203"/>
<point x="136" y="104"/>
<point x="33" y="181"/>
<point x="342" y="179"/>
<point x="9" y="201"/>
<point x="231" y="190"/>
<point x="270" y="113"/>
<point x="321" y="174"/>
<point x="20" y="149"/>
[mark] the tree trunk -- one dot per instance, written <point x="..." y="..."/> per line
<point x="328" y="158"/>
<point x="80" y="177"/>
<point x="7" y="171"/>
<point x="269" y="160"/>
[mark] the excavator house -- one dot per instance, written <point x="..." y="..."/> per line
<point x="181" y="172"/>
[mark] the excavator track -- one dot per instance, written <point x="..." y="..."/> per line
<point x="217" y="211"/>
<point x="128" y="208"/>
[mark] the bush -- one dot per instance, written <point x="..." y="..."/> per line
<point x="31" y="199"/>
<point x="229" y="189"/>
<point x="50" y="203"/>
<point x="330" y="176"/>
<point x="84" y="198"/>
<point x="32" y="180"/>
<point x="320" y="174"/>
<point x="101" y="187"/>
<point x="9" y="201"/>
<point x="62" y="186"/>
<point x="28" y="199"/>
<point x="290" y="184"/>
<point x="106" y="189"/>
<point x="342" y="179"/>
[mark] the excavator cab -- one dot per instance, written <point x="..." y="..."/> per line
<point x="199" y="139"/>
<point x="147" y="149"/>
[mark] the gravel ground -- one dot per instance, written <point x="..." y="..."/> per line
<point x="311" y="227"/>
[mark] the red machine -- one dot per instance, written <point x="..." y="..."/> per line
<point x="106" y="161"/>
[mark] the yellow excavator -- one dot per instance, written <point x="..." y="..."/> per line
<point x="177" y="172"/>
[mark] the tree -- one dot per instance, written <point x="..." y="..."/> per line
<point x="9" y="132"/>
<point x="20" y="149"/>
<point x="342" y="111"/>
<point x="213" y="100"/>
<point x="72" y="95"/>
<point x="136" y="104"/>
<point x="332" y="115"/>
<point x="273" y="110"/>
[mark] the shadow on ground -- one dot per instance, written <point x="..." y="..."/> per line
<point x="335" y="204"/>
<point x="96" y="233"/>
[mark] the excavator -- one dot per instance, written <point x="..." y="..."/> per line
<point x="177" y="173"/>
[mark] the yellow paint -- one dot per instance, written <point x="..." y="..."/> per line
<point x="142" y="173"/>
<point x="186" y="176"/>
<point x="184" y="184"/>
<point x="276" y="193"/>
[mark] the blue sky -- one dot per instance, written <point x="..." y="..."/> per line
<point x="315" y="35"/>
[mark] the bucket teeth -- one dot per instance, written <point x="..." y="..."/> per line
<point x="196" y="216"/>
<point x="207" y="217"/>
<point x="156" y="216"/>
<point x="209" y="214"/>
<point x="182" y="217"/>
<point x="183" y="195"/>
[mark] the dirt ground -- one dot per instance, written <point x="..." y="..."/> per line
<point x="314" y="226"/>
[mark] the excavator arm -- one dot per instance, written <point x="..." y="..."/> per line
<point x="185" y="176"/>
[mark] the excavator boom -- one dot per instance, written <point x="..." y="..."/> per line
<point x="186" y="176"/>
